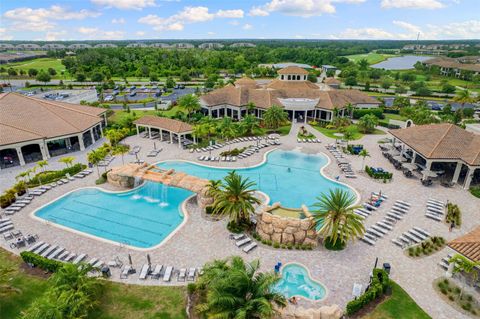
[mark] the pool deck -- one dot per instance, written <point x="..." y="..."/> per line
<point x="201" y="240"/>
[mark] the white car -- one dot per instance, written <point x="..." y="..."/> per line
<point x="108" y="98"/>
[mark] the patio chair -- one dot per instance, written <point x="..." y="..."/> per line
<point x="191" y="274"/>
<point x="243" y="241"/>
<point x="155" y="274"/>
<point x="126" y="271"/>
<point x="182" y="274"/>
<point x="144" y="272"/>
<point x="250" y="247"/>
<point x="167" y="276"/>
<point x="79" y="259"/>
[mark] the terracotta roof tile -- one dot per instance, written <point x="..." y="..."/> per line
<point x="468" y="245"/>
<point x="442" y="141"/>
<point x="24" y="118"/>
<point x="292" y="70"/>
<point x="171" y="125"/>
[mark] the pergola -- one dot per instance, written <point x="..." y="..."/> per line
<point x="162" y="124"/>
<point x="442" y="144"/>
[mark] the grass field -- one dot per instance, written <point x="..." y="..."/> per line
<point x="39" y="64"/>
<point x="118" y="300"/>
<point x="329" y="132"/>
<point x="372" y="58"/>
<point x="119" y="115"/>
<point x="398" y="305"/>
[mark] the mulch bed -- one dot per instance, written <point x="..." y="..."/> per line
<point x="34" y="271"/>
<point x="369" y="308"/>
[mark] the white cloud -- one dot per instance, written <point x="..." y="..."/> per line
<point x="247" y="26"/>
<point x="55" y="35"/>
<point x="412" y="4"/>
<point x="456" y="30"/>
<point x="407" y="26"/>
<point x="118" y="21"/>
<point x="140" y="33"/>
<point x="364" y="33"/>
<point x="42" y="19"/>
<point x="302" y="8"/>
<point x="4" y="36"/>
<point x="211" y="33"/>
<point x="188" y="15"/>
<point x="97" y="34"/>
<point x="234" y="22"/>
<point x="125" y="4"/>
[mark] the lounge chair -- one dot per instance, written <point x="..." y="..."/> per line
<point x="35" y="247"/>
<point x="434" y="217"/>
<point x="55" y="253"/>
<point x="155" y="274"/>
<point x="167" y="276"/>
<point x="70" y="257"/>
<point x="191" y="274"/>
<point x="79" y="258"/>
<point x="250" y="247"/>
<point x="243" y="241"/>
<point x="367" y="240"/>
<point x="127" y="270"/>
<point x="6" y="228"/>
<point x="41" y="248"/>
<point x="237" y="236"/>
<point x="49" y="251"/>
<point x="144" y="272"/>
<point x="182" y="274"/>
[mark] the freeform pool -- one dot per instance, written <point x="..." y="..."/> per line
<point x="142" y="217"/>
<point x="296" y="281"/>
<point x="289" y="177"/>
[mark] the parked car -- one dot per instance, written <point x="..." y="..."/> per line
<point x="133" y="93"/>
<point x="108" y="98"/>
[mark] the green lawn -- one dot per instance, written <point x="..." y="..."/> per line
<point x="398" y="305"/>
<point x="390" y="116"/>
<point x="39" y="64"/>
<point x="372" y="58"/>
<point x="119" y="115"/>
<point x="118" y="300"/>
<point x="329" y="132"/>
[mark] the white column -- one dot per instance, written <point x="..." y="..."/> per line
<point x="171" y="138"/>
<point x="20" y="156"/>
<point x="42" y="150"/>
<point x="138" y="131"/>
<point x="469" y="177"/>
<point x="161" y="135"/>
<point x="458" y="169"/>
<point x="47" y="152"/>
<point x="293" y="117"/>
<point x="149" y="132"/>
<point x="239" y="114"/>
<point x="92" y="135"/>
<point x="428" y="165"/>
<point x="414" y="155"/>
<point x="194" y="139"/>
<point x="179" y="140"/>
<point x="80" y="141"/>
<point x="209" y="111"/>
<point x="305" y="117"/>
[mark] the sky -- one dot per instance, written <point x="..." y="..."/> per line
<point x="55" y="20"/>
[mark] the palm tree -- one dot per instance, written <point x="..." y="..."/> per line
<point x="348" y="135"/>
<point x="121" y="149"/>
<point x="464" y="97"/>
<point x="249" y="124"/>
<point x="335" y="219"/>
<point x="235" y="198"/>
<point x="236" y="289"/>
<point x="274" y="117"/>
<point x="465" y="265"/>
<point x="214" y="187"/>
<point x="226" y="128"/>
<point x="363" y="64"/>
<point x="250" y="107"/>
<point x="190" y="102"/>
<point x="67" y="160"/>
<point x="363" y="153"/>
<point x="42" y="164"/>
<point x="95" y="156"/>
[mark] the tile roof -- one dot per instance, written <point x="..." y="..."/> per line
<point x="24" y="118"/>
<point x="331" y="81"/>
<point x="468" y="245"/>
<point x="453" y="63"/>
<point x="292" y="70"/>
<point x="165" y="123"/>
<point x="265" y="97"/>
<point x="442" y="141"/>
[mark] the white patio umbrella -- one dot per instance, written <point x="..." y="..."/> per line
<point x="273" y="136"/>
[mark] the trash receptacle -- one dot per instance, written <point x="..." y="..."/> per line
<point x="387" y="267"/>
<point x="106" y="271"/>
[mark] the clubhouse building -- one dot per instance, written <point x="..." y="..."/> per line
<point x="32" y="129"/>
<point x="292" y="91"/>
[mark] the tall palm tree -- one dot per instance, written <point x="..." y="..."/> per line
<point x="190" y="102"/>
<point x="235" y="198"/>
<point x="121" y="149"/>
<point x="464" y="97"/>
<point x="214" y="187"/>
<point x="95" y="156"/>
<point x="235" y="289"/>
<point x="274" y="117"/>
<point x="363" y="153"/>
<point x="249" y="124"/>
<point x="67" y="160"/>
<point x="42" y="164"/>
<point x="335" y="219"/>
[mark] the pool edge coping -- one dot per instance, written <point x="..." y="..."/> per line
<point x="311" y="278"/>
<point x="112" y="242"/>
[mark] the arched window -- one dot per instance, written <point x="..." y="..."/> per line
<point x="304" y="77"/>
<point x="298" y="77"/>
<point x="289" y="77"/>
<point x="282" y="77"/>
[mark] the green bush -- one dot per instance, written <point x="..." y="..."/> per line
<point x="358" y="113"/>
<point x="7" y="198"/>
<point x="378" y="175"/>
<point x="475" y="191"/>
<point x="40" y="262"/>
<point x="453" y="214"/>
<point x="276" y="245"/>
<point x="237" y="228"/>
<point x="209" y="210"/>
<point x="379" y="285"/>
<point x="328" y="243"/>
<point x="234" y="152"/>
<point x="52" y="176"/>
<point x="191" y="288"/>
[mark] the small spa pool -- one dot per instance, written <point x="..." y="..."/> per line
<point x="142" y="217"/>
<point x="296" y="282"/>
<point x="292" y="178"/>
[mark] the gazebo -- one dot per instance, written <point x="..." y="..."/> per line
<point x="444" y="148"/>
<point x="172" y="128"/>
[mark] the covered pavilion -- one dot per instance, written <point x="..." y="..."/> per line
<point x="166" y="128"/>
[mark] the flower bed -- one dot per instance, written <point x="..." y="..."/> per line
<point x="427" y="247"/>
<point x="452" y="294"/>
<point x="375" y="174"/>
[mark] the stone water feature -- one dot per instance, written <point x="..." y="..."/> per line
<point x="127" y="176"/>
<point x="286" y="228"/>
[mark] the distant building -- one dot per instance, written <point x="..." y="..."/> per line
<point x="243" y="45"/>
<point x="105" y="45"/>
<point x="54" y="46"/>
<point x="137" y="45"/>
<point x="182" y="46"/>
<point x="326" y="68"/>
<point x="455" y="66"/>
<point x="6" y="46"/>
<point x="291" y="91"/>
<point x="78" y="46"/>
<point x="160" y="45"/>
<point x="211" y="45"/>
<point x="28" y="47"/>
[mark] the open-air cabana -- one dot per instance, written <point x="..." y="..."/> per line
<point x="173" y="130"/>
<point x="445" y="149"/>
<point x="33" y="129"/>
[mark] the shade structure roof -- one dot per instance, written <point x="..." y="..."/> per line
<point x="25" y="118"/>
<point x="171" y="125"/>
<point x="468" y="245"/>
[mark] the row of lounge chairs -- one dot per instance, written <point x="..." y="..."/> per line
<point x="371" y="205"/>
<point x="411" y="237"/>
<point x="398" y="210"/>
<point x="435" y="209"/>
<point x="56" y="252"/>
<point x="245" y="241"/>
<point x="220" y="145"/>
<point x="159" y="271"/>
<point x="106" y="161"/>
<point x="308" y="140"/>
<point x="217" y="158"/>
<point x="344" y="165"/>
<point x="252" y="149"/>
<point x="154" y="153"/>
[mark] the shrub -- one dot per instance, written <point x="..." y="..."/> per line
<point x="8" y="198"/>
<point x="453" y="214"/>
<point x="451" y="298"/>
<point x="237" y="227"/>
<point x="20" y="188"/>
<point x="443" y="291"/>
<point x="379" y="285"/>
<point x="276" y="245"/>
<point x="191" y="287"/>
<point x="40" y="262"/>
<point x="339" y="245"/>
<point x="378" y="175"/>
<point x="209" y="211"/>
<point x="358" y="113"/>
<point x="52" y="176"/>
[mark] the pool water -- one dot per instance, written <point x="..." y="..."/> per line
<point x="289" y="177"/>
<point x="142" y="217"/>
<point x="296" y="281"/>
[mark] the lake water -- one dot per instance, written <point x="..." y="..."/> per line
<point x="400" y="63"/>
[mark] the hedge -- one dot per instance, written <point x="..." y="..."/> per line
<point x="40" y="262"/>
<point x="379" y="285"/>
<point x="358" y="113"/>
<point x="52" y="176"/>
<point x="377" y="175"/>
<point x="391" y="111"/>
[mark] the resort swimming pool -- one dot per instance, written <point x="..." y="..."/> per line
<point x="296" y="281"/>
<point x="289" y="177"/>
<point x="142" y="217"/>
